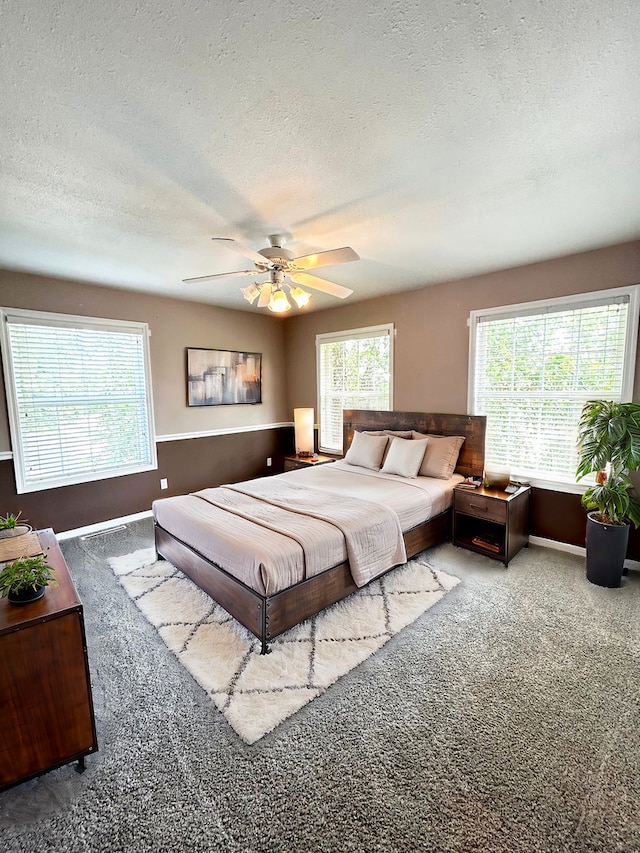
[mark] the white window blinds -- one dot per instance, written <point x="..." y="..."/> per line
<point x="532" y="368"/>
<point x="79" y="397"/>
<point x="355" y="370"/>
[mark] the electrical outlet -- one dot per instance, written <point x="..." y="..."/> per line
<point x="164" y="483"/>
<point x="268" y="462"/>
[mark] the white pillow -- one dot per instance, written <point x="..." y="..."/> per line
<point x="402" y="433"/>
<point x="366" y="450"/>
<point x="405" y="457"/>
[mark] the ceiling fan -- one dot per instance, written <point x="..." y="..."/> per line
<point x="280" y="263"/>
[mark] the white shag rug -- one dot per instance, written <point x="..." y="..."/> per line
<point x="258" y="692"/>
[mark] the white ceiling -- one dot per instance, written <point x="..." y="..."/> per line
<point x="438" y="138"/>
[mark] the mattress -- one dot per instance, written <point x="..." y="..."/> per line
<point x="247" y="537"/>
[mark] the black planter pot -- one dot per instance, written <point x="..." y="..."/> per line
<point x="26" y="596"/>
<point x="606" y="552"/>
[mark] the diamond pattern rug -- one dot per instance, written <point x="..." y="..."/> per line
<point x="258" y="692"/>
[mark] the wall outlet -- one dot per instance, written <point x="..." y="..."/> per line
<point x="268" y="462"/>
<point x="164" y="484"/>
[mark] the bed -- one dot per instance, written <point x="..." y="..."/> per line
<point x="231" y="541"/>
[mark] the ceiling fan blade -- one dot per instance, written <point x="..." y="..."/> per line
<point x="322" y="284"/>
<point x="323" y="259"/>
<point x="265" y="295"/>
<point x="256" y="257"/>
<point x="220" y="275"/>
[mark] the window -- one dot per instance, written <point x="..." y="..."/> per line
<point x="532" y="366"/>
<point x="355" y="370"/>
<point x="79" y="398"/>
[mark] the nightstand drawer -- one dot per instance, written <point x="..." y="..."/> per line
<point x="480" y="506"/>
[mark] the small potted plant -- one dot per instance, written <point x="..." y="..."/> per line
<point x="10" y="525"/>
<point x="609" y="447"/>
<point x="26" y="579"/>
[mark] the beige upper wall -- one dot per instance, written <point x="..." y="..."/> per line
<point x="431" y="350"/>
<point x="432" y="336"/>
<point x="175" y="325"/>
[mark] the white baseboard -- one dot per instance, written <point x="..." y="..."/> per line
<point x="573" y="549"/>
<point x="102" y="526"/>
<point x="557" y="546"/>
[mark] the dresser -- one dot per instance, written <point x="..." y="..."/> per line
<point x="46" y="705"/>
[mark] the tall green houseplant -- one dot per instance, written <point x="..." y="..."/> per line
<point x="609" y="447"/>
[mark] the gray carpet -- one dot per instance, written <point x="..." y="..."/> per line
<point x="506" y="718"/>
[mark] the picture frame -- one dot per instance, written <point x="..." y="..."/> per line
<point x="218" y="377"/>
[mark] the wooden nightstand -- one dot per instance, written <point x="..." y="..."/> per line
<point x="293" y="462"/>
<point x="491" y="521"/>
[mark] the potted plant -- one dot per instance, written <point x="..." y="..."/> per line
<point x="25" y="579"/>
<point x="609" y="447"/>
<point x="10" y="525"/>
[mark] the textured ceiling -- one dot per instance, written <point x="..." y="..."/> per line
<point x="438" y="138"/>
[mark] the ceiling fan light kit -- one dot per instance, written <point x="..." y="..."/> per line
<point x="277" y="299"/>
<point x="278" y="262"/>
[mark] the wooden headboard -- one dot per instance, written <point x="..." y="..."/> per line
<point x="473" y="427"/>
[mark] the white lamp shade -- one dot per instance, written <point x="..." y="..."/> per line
<point x="303" y="428"/>
<point x="300" y="296"/>
<point x="279" y="302"/>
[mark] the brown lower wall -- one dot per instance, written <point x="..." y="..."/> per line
<point x="561" y="517"/>
<point x="557" y="515"/>
<point x="197" y="463"/>
<point x="188" y="465"/>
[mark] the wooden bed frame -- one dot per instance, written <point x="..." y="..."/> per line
<point x="268" y="616"/>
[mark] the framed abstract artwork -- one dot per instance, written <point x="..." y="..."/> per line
<point x="217" y="377"/>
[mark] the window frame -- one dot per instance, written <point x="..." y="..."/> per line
<point x="24" y="483"/>
<point x="380" y="330"/>
<point x="542" y="306"/>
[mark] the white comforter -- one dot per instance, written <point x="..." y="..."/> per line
<point x="372" y="534"/>
<point x="270" y="547"/>
<point x="414" y="500"/>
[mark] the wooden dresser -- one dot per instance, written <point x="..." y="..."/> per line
<point x="46" y="706"/>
